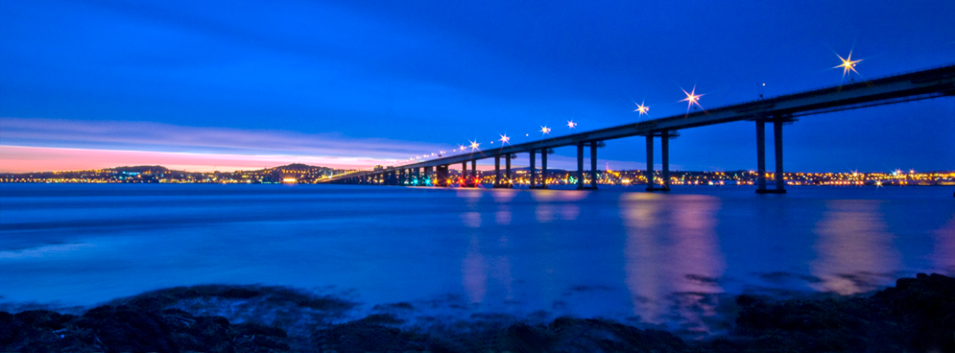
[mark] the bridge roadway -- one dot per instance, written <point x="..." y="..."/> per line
<point x="918" y="85"/>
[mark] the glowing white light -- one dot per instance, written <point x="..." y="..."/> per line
<point x="692" y="99"/>
<point x="504" y="139"/>
<point x="847" y="64"/>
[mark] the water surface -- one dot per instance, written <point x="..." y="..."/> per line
<point x="670" y="260"/>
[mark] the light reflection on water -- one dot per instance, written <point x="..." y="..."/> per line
<point x="673" y="260"/>
<point x="854" y="250"/>
<point x="657" y="259"/>
<point x="944" y="255"/>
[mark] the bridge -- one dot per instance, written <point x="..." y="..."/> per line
<point x="781" y="110"/>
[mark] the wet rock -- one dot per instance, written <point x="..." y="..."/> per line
<point x="128" y="328"/>
<point x="594" y="335"/>
<point x="926" y="305"/>
<point x="361" y="336"/>
<point x="918" y="314"/>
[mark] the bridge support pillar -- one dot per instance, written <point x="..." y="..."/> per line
<point x="442" y="177"/>
<point x="580" y="166"/>
<point x="665" y="156"/>
<point x="475" y="177"/>
<point x="650" y="162"/>
<point x="507" y="171"/>
<point x="540" y="182"/>
<point x="543" y="169"/>
<point x="533" y="169"/>
<point x="497" y="171"/>
<point x="761" y="156"/>
<point x="778" y="137"/>
<point x="593" y="165"/>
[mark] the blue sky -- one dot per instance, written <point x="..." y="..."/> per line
<point x="376" y="81"/>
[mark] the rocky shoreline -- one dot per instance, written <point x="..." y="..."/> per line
<point x="916" y="315"/>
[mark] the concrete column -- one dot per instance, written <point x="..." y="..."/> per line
<point x="778" y="134"/>
<point x="760" y="155"/>
<point x="543" y="168"/>
<point x="580" y="165"/>
<point x="593" y="164"/>
<point x="507" y="169"/>
<point x="533" y="169"/>
<point x="442" y="177"/>
<point x="665" y="151"/>
<point x="650" y="162"/>
<point x="497" y="170"/>
<point x="474" y="171"/>
<point x="464" y="172"/>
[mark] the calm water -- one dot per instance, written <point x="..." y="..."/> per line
<point x="657" y="259"/>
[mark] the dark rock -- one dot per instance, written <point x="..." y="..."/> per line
<point x="133" y="329"/>
<point x="918" y="314"/>
<point x="361" y="337"/>
<point x="594" y="335"/>
<point x="521" y="338"/>
<point x="129" y="329"/>
<point x="925" y="304"/>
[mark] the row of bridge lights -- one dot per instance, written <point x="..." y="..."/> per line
<point x="692" y="99"/>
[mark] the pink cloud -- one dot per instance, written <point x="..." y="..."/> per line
<point x="49" y="144"/>
<point x="15" y="131"/>
<point x="19" y="159"/>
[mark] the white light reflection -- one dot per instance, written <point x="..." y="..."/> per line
<point x="673" y="260"/>
<point x="944" y="254"/>
<point x="474" y="272"/>
<point x="503" y="215"/>
<point x="854" y="252"/>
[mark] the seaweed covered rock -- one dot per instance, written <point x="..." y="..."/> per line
<point x="925" y="304"/>
<point x="593" y="335"/>
<point x="918" y="314"/>
<point x="127" y="328"/>
<point x="363" y="336"/>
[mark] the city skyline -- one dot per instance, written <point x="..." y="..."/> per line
<point x="342" y="85"/>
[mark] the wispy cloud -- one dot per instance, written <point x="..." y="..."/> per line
<point x="49" y="144"/>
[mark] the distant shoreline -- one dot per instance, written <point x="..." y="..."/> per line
<point x="306" y="174"/>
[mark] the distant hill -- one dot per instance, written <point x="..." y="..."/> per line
<point x="141" y="169"/>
